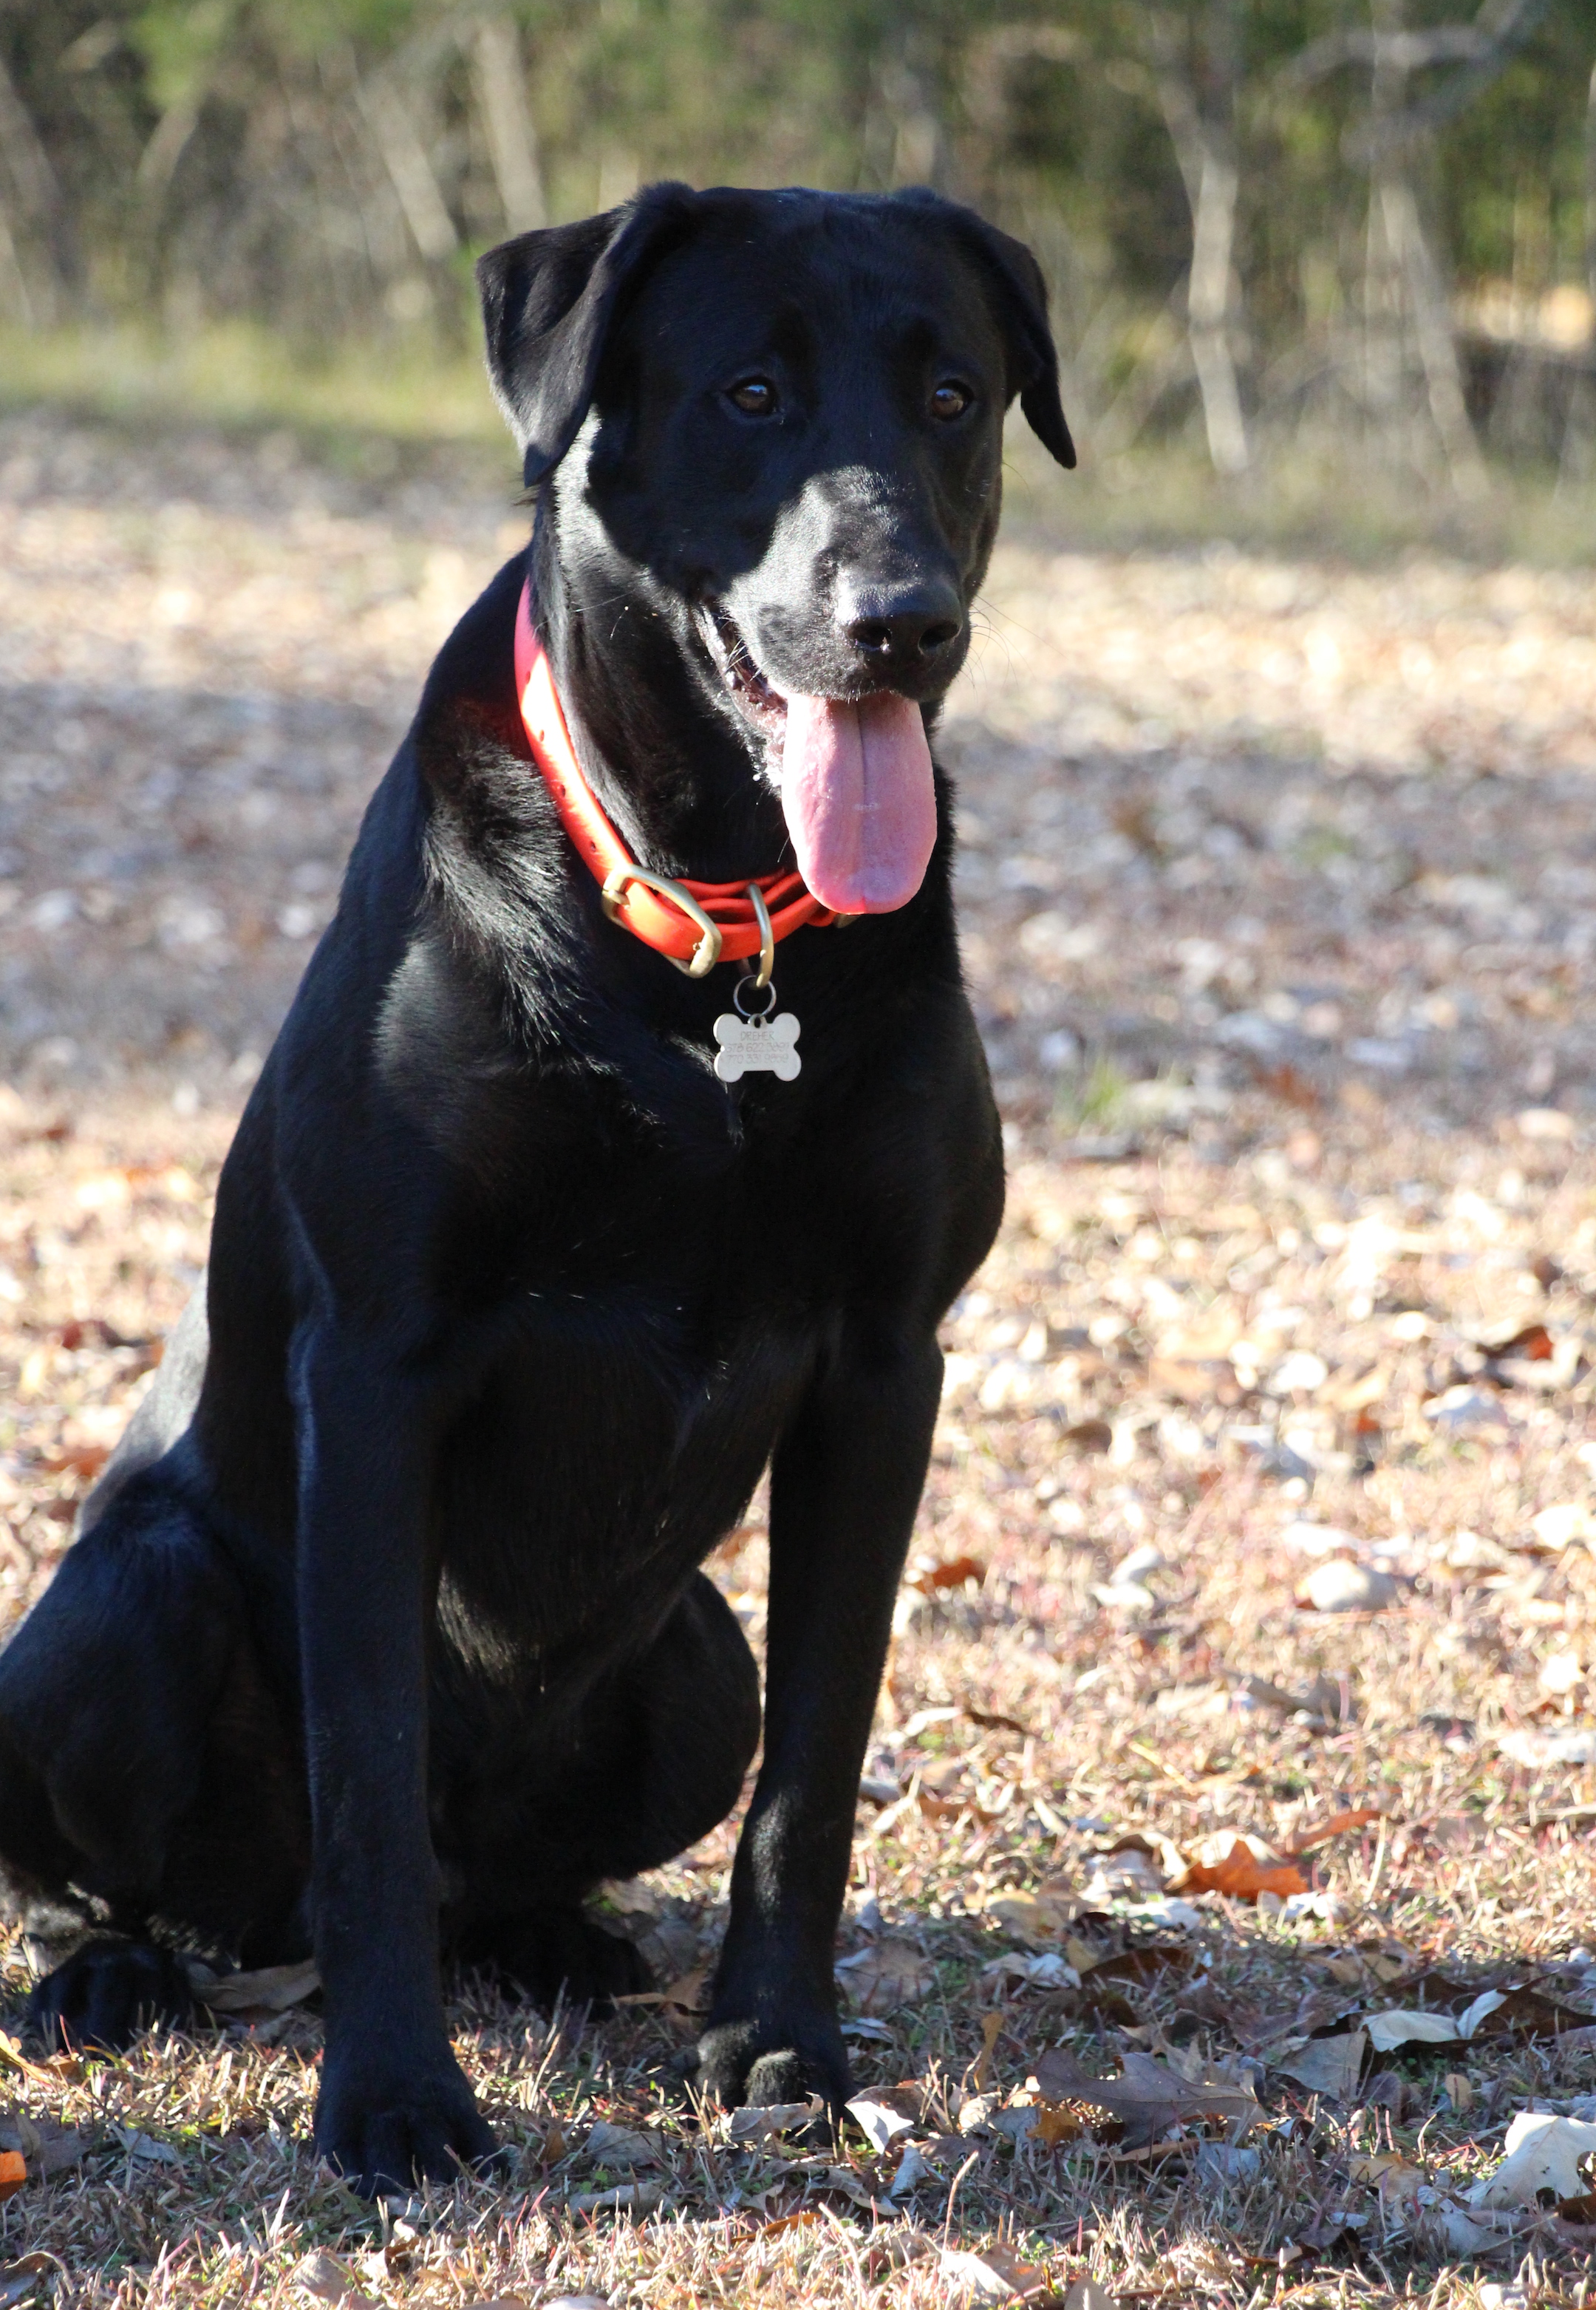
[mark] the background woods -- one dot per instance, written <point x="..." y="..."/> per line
<point x="1293" y="219"/>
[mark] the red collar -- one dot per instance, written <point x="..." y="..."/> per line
<point x="696" y="923"/>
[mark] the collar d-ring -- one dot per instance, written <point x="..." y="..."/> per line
<point x="756" y="897"/>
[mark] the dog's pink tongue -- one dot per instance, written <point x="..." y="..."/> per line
<point x="860" y="801"/>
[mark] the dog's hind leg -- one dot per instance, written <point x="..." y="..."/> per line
<point x="142" y="1773"/>
<point x="653" y="1759"/>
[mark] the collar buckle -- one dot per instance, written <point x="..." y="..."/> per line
<point x="706" y="953"/>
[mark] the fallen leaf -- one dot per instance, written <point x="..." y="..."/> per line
<point x="326" y="2278"/>
<point x="1388" y="2031"/>
<point x="139" y="2144"/>
<point x="48" y="2148"/>
<point x="1054" y="2125"/>
<point x="805" y="2217"/>
<point x="13" y="2171"/>
<point x="1339" y="1585"/>
<point x="1149" y="2097"/>
<point x="770" y="2121"/>
<point x="21" y="2279"/>
<point x="583" y="2301"/>
<point x="687" y="1994"/>
<point x="1541" y="2152"/>
<point x="273" y="1990"/>
<point x="877" y="2121"/>
<point x="622" y="2145"/>
<point x="887" y="1975"/>
<point x="838" y="2177"/>
<point x="1045" y="1969"/>
<point x="992" y="2029"/>
<point x="1033" y="1918"/>
<point x="1233" y="1863"/>
<point x="951" y="1575"/>
<point x="994" y="2274"/>
<point x="1086" y="2293"/>
<point x="1145" y="1960"/>
<point x="994" y="1723"/>
<point x="912" y="2170"/>
<point x="1331" y="2066"/>
<point x="1337" y="1825"/>
<point x="63" y="2070"/>
<point x="1520" y="2011"/>
<point x="1459" y="2090"/>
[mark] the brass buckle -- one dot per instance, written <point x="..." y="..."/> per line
<point x="766" y="934"/>
<point x="706" y="953"/>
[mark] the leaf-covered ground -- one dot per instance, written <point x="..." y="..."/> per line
<point x="1241" y="1694"/>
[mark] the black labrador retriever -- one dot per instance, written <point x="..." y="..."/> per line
<point x="385" y="1636"/>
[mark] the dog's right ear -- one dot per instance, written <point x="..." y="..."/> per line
<point x="549" y="299"/>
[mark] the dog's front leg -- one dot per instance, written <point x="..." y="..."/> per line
<point x="394" y="2104"/>
<point x="846" y="1482"/>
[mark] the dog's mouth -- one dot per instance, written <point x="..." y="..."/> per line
<point x="857" y="787"/>
<point x="765" y="710"/>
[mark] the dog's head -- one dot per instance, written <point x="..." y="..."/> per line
<point x="785" y="412"/>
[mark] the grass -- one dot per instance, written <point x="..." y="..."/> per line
<point x="372" y="404"/>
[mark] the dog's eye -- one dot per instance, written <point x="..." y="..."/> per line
<point x="950" y="400"/>
<point x="754" y="395"/>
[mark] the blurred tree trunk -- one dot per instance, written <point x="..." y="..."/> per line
<point x="501" y="79"/>
<point x="1402" y="283"/>
<point x="405" y="156"/>
<point x="35" y="236"/>
<point x="1199" y="107"/>
<point x="1579" y="431"/>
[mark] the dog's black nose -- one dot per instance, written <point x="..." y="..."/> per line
<point x="911" y="628"/>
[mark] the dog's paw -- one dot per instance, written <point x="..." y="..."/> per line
<point x="749" y="2062"/>
<point x="547" y="1951"/>
<point x="98" y="2000"/>
<point x="384" y="2136"/>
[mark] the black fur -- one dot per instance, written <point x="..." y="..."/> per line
<point x="385" y="1636"/>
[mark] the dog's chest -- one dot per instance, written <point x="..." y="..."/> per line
<point x="620" y="1432"/>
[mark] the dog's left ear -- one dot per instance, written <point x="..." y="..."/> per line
<point x="1014" y="273"/>
<point x="548" y="302"/>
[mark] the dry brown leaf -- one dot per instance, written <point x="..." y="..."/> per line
<point x="1086" y="2293"/>
<point x="1331" y="2066"/>
<point x="992" y="2029"/>
<point x="685" y="1995"/>
<point x="951" y="1575"/>
<point x="48" y="2148"/>
<point x="887" y="1975"/>
<point x="329" y="2279"/>
<point x="1054" y="2125"/>
<point x="1149" y="2097"/>
<point x="994" y="2274"/>
<point x="1035" y="1918"/>
<point x="1339" y="1823"/>
<point x="32" y="2273"/>
<point x="1233" y="1863"/>
<point x="63" y="2070"/>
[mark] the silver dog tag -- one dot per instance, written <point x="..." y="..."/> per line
<point x="765" y="1043"/>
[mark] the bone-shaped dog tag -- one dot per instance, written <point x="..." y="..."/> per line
<point x="748" y="1046"/>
